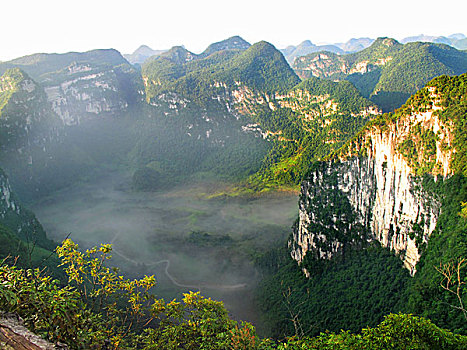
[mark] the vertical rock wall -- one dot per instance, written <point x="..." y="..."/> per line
<point x="375" y="196"/>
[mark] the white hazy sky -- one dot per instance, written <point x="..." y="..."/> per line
<point x="31" y="26"/>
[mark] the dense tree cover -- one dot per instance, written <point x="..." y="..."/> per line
<point x="356" y="289"/>
<point x="231" y="43"/>
<point x="424" y="294"/>
<point x="365" y="83"/>
<point x="412" y="68"/>
<point x="393" y="71"/>
<point x="260" y="67"/>
<point x="319" y="117"/>
<point x="395" y="332"/>
<point x="202" y="81"/>
<point x="447" y="245"/>
<point x="181" y="146"/>
<point x="26" y="254"/>
<point x="345" y="94"/>
<point x="99" y="308"/>
<point x="453" y="92"/>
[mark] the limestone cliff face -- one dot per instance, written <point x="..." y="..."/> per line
<point x="325" y="65"/>
<point x="372" y="192"/>
<point x="26" y="118"/>
<point x="7" y="202"/>
<point x="83" y="85"/>
<point x="331" y="65"/>
<point x="20" y="220"/>
<point x="84" y="90"/>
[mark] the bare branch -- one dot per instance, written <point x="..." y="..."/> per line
<point x="452" y="281"/>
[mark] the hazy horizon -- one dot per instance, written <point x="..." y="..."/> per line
<point x="51" y="26"/>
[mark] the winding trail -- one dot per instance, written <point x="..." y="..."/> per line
<point x="223" y="287"/>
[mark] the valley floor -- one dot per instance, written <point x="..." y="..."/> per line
<point x="189" y="241"/>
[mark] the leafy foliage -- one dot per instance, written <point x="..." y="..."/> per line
<point x="101" y="309"/>
<point x="396" y="332"/>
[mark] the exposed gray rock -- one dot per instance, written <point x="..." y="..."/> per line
<point x="372" y="197"/>
<point x="15" y="336"/>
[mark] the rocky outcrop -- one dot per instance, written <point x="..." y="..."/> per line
<point x="83" y="85"/>
<point x="372" y="191"/>
<point x="376" y="202"/>
<point x="26" y="118"/>
<point x="15" y="336"/>
<point x="7" y="203"/>
<point x="19" y="220"/>
<point x="85" y="91"/>
<point x="331" y="65"/>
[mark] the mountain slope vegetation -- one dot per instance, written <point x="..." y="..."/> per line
<point x="233" y="99"/>
<point x="387" y="72"/>
<point x="237" y="113"/>
<point x="424" y="147"/>
<point x="303" y="121"/>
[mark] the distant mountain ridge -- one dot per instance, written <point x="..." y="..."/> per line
<point x="141" y="54"/>
<point x="232" y="43"/>
<point x="37" y="65"/>
<point x="307" y="47"/>
<point x="228" y="101"/>
<point x="387" y="71"/>
<point x="144" y="52"/>
<point x="458" y="41"/>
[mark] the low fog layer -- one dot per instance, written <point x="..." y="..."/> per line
<point x="189" y="242"/>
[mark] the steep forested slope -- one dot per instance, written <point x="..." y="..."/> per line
<point x="387" y="72"/>
<point x="233" y="103"/>
<point x="240" y="113"/>
<point x="301" y="121"/>
<point x="400" y="183"/>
